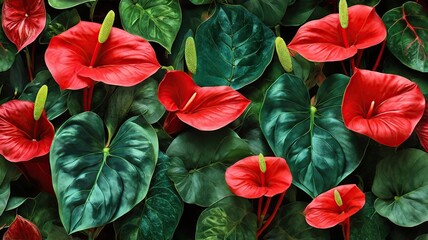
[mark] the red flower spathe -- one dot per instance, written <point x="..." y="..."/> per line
<point x="422" y="129"/>
<point x="204" y="108"/>
<point x="244" y="178"/>
<point x="323" y="212"/>
<point x="22" y="228"/>
<point x="123" y="60"/>
<point x="18" y="142"/>
<point x="23" y="21"/>
<point x="395" y="104"/>
<point x="321" y="40"/>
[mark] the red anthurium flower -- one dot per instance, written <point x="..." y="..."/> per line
<point x="321" y="40"/>
<point x="21" y="228"/>
<point x="384" y="107"/>
<point x="245" y="178"/>
<point x="324" y="210"/>
<point x="38" y="172"/>
<point x="123" y="60"/>
<point x="422" y="129"/>
<point x="23" y="21"/>
<point x="20" y="139"/>
<point x="204" y="108"/>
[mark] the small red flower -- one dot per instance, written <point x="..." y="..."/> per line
<point x="322" y="41"/>
<point x="123" y="60"/>
<point x="204" y="108"/>
<point x="20" y="139"/>
<point x="23" y="20"/>
<point x="245" y="178"/>
<point x="325" y="212"/>
<point x="422" y="129"/>
<point x="384" y="107"/>
<point x="22" y="228"/>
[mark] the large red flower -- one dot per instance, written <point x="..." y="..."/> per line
<point x="204" y="108"/>
<point x="20" y="140"/>
<point x="245" y="178"/>
<point x="321" y="40"/>
<point x="23" y="20"/>
<point x="384" y="107"/>
<point x="123" y="60"/>
<point x="324" y="211"/>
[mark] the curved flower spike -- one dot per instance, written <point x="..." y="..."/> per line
<point x="245" y="178"/>
<point x="20" y="139"/>
<point x="123" y="59"/>
<point x="324" y="210"/>
<point x="384" y="107"/>
<point x="204" y="108"/>
<point x="322" y="41"/>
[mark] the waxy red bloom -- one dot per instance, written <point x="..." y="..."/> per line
<point x="20" y="139"/>
<point x="123" y="60"/>
<point x="422" y="129"/>
<point x="22" y="228"/>
<point x="204" y="108"/>
<point x="23" y="21"/>
<point x="245" y="178"/>
<point x="324" y="211"/>
<point x="322" y="41"/>
<point x="384" y="107"/>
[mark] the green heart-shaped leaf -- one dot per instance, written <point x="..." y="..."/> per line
<point x="59" y="24"/>
<point x="233" y="48"/>
<point x="230" y="218"/>
<point x="407" y="35"/>
<point x="8" y="173"/>
<point x="319" y="149"/>
<point x="401" y="185"/>
<point x="7" y="52"/>
<point x="63" y="4"/>
<point x="199" y="161"/>
<point x="154" y="20"/>
<point x="95" y="184"/>
<point x="269" y="11"/>
<point x="290" y="224"/>
<point x="158" y="215"/>
<point x="56" y="103"/>
<point x="299" y="11"/>
<point x="367" y="224"/>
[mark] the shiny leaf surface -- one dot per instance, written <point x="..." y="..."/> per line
<point x="269" y="11"/>
<point x="98" y="184"/>
<point x="8" y="173"/>
<point x="233" y="48"/>
<point x="60" y="24"/>
<point x="63" y="4"/>
<point x="7" y="52"/>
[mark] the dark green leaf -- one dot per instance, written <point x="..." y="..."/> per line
<point x="407" y="35"/>
<point x="199" y="161"/>
<point x="7" y="52"/>
<point x="158" y="215"/>
<point x="97" y="183"/>
<point x="269" y="11"/>
<point x="74" y="100"/>
<point x="59" y="24"/>
<point x="8" y="173"/>
<point x="401" y="185"/>
<point x="56" y="102"/>
<point x="422" y="237"/>
<point x="319" y="149"/>
<point x="154" y="20"/>
<point x="14" y="80"/>
<point x="63" y="4"/>
<point x="363" y="2"/>
<point x="290" y="224"/>
<point x="233" y="48"/>
<point x="232" y="218"/>
<point x="298" y="12"/>
<point x="178" y="56"/>
<point x="200" y="2"/>
<point x="367" y="224"/>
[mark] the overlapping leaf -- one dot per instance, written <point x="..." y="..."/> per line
<point x="233" y="48"/>
<point x="63" y="4"/>
<point x="319" y="149"/>
<point x="95" y="184"/>
<point x="7" y="52"/>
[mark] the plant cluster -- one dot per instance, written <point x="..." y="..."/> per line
<point x="213" y="119"/>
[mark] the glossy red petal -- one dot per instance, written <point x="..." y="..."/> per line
<point x="172" y="124"/>
<point x="17" y="132"/>
<point x="38" y="172"/>
<point x="176" y="89"/>
<point x="244" y="178"/>
<point x="124" y="59"/>
<point x="213" y="108"/>
<point x="398" y="106"/>
<point x="323" y="212"/>
<point x="321" y="40"/>
<point x="23" y="21"/>
<point x="422" y="129"/>
<point x="21" y="228"/>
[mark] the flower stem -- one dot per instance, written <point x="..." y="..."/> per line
<point x="344" y="68"/>
<point x="346" y="42"/>
<point x="259" y="210"/>
<point x="272" y="216"/>
<point x="265" y="209"/>
<point x="359" y="56"/>
<point x="379" y="56"/>
<point x="29" y="65"/>
<point x="346" y="229"/>
<point x="35" y="129"/>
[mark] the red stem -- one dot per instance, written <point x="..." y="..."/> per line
<point x="259" y="209"/>
<point x="359" y="56"/>
<point x="88" y="92"/>
<point x="346" y="229"/>
<point x="344" y="68"/>
<point x="379" y="56"/>
<point x="346" y="42"/>
<point x="272" y="216"/>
